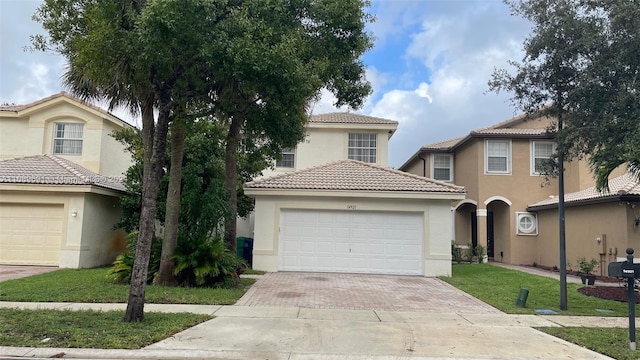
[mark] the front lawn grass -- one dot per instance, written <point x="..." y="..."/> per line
<point x="499" y="287"/>
<point x="613" y="342"/>
<point x="89" y="329"/>
<point x="94" y="286"/>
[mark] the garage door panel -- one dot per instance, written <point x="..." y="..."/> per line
<point x="347" y="241"/>
<point x="31" y="234"/>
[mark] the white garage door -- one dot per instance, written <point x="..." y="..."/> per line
<point x="30" y="234"/>
<point x="351" y="241"/>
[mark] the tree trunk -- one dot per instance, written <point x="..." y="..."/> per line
<point x="154" y="144"/>
<point x="166" y="276"/>
<point x="231" y="181"/>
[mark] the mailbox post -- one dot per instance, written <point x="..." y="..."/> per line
<point x="629" y="270"/>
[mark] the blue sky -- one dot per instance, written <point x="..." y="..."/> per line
<point x="429" y="66"/>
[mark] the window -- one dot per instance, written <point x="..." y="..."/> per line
<point x="362" y="147"/>
<point x="541" y="151"/>
<point x="527" y="223"/>
<point x="442" y="167"/>
<point x="67" y="138"/>
<point x="288" y="159"/>
<point x="498" y="157"/>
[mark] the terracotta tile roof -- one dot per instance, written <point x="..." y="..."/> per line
<point x="444" y="145"/>
<point x="619" y="186"/>
<point x="349" y="118"/>
<point x="52" y="170"/>
<point x="352" y="175"/>
<point x="491" y="131"/>
<point x="18" y="108"/>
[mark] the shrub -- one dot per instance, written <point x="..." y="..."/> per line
<point x="123" y="264"/>
<point x="586" y="266"/>
<point x="207" y="263"/>
<point x="479" y="252"/>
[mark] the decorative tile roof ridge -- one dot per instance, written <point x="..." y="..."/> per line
<point x="348" y="118"/>
<point x="510" y="131"/>
<point x="70" y="168"/>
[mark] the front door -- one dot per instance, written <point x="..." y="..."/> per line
<point x="490" y="234"/>
<point x="474" y="229"/>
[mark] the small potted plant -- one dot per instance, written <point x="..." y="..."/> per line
<point x="585" y="270"/>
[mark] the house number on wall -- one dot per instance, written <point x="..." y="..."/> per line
<point x="351" y="207"/>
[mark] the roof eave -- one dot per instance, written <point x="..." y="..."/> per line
<point x="355" y="193"/>
<point x="69" y="188"/>
<point x="592" y="201"/>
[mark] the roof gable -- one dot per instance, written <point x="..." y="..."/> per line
<point x="27" y="109"/>
<point x="352" y="175"/>
<point x="52" y="170"/>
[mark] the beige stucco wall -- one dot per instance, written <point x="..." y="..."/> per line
<point x="88" y="239"/>
<point x="438" y="225"/>
<point x="330" y="143"/>
<point x="584" y="225"/>
<point x="32" y="134"/>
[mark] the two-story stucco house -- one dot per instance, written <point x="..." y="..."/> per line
<point x="60" y="183"/>
<point x="511" y="208"/>
<point x="332" y="205"/>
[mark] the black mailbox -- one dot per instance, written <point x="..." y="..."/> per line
<point x="624" y="269"/>
<point x="615" y="269"/>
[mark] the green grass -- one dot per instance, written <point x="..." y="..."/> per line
<point x="250" y="271"/>
<point x="499" y="287"/>
<point x="613" y="342"/>
<point x="94" y="286"/>
<point x="89" y="329"/>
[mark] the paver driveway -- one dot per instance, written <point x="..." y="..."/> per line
<point x="361" y="292"/>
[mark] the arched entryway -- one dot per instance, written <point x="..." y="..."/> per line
<point x="466" y="227"/>
<point x="498" y="228"/>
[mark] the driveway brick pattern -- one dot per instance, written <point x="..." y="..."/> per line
<point x="361" y="292"/>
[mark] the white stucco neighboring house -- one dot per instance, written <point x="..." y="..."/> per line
<point x="60" y="183"/>
<point x="352" y="216"/>
<point x="332" y="137"/>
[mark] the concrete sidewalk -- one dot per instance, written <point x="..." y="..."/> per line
<point x="241" y="332"/>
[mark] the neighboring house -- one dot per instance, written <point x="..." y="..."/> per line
<point x="60" y="183"/>
<point x="332" y="205"/>
<point x="500" y="167"/>
<point x="332" y="137"/>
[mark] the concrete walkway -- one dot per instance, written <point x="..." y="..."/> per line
<point x="242" y="332"/>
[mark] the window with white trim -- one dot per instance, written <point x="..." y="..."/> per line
<point x="362" y="147"/>
<point x="526" y="223"/>
<point x="288" y="159"/>
<point x="442" y="167"/>
<point x="497" y="158"/>
<point x="67" y="138"/>
<point x="541" y="151"/>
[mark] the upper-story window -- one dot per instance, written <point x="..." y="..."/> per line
<point x="362" y="147"/>
<point x="67" y="138"/>
<point x="497" y="157"/>
<point x="288" y="159"/>
<point x="442" y="167"/>
<point x="541" y="151"/>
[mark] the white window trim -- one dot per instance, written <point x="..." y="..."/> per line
<point x="533" y="154"/>
<point x="292" y="152"/>
<point x="533" y="230"/>
<point x="486" y="157"/>
<point x="433" y="157"/>
<point x="375" y="136"/>
<point x="54" y="138"/>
